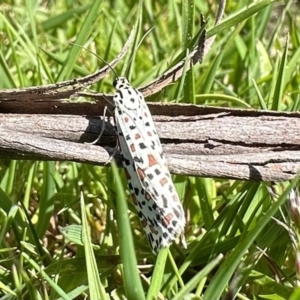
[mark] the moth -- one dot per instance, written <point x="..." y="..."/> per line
<point x="154" y="195"/>
<point x="149" y="180"/>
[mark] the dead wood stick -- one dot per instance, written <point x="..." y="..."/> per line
<point x="240" y="144"/>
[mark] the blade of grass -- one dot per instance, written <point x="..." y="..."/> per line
<point x="6" y="223"/>
<point x="157" y="275"/>
<point x="188" y="21"/>
<point x="182" y="81"/>
<point x="96" y="288"/>
<point x="7" y="79"/>
<point x="56" y="21"/>
<point x="31" y="8"/>
<point x="209" y="80"/>
<point x="292" y="65"/>
<point x="201" y="185"/>
<point x="47" y="198"/>
<point x="259" y="96"/>
<point x="82" y="37"/>
<point x="133" y="286"/>
<point x="11" y="177"/>
<point x="234" y="19"/>
<point x="30" y="179"/>
<point x="6" y="205"/>
<point x="273" y="84"/>
<point x="131" y="58"/>
<point x="278" y="92"/>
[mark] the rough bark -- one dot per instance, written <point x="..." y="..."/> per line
<point x="198" y="141"/>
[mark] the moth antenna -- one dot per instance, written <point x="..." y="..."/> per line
<point x="103" y="60"/>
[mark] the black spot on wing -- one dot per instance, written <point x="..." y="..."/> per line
<point x="165" y="235"/>
<point x="126" y="161"/>
<point x="138" y="159"/>
<point x="177" y="213"/>
<point x="157" y="171"/>
<point x="119" y="92"/>
<point x="142" y="146"/>
<point x="150" y="176"/>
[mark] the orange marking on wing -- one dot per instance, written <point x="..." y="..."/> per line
<point x="148" y="196"/>
<point x="149" y="133"/>
<point x="137" y="136"/>
<point x="126" y="119"/>
<point x="175" y="198"/>
<point x="152" y="160"/>
<point x="163" y="181"/>
<point x="141" y="173"/>
<point x="132" y="148"/>
<point x="166" y="220"/>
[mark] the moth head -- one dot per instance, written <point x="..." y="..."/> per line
<point x="120" y="82"/>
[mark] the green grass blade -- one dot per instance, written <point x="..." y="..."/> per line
<point x="96" y="288"/>
<point x="133" y="286"/>
<point x="239" y="17"/>
<point x="6" y="205"/>
<point x="6" y="223"/>
<point x="82" y="37"/>
<point x="273" y="84"/>
<point x="47" y="198"/>
<point x="58" y="20"/>
<point x="292" y="65"/>
<point x="259" y="96"/>
<point x="157" y="275"/>
<point x="131" y="59"/>
<point x="278" y="93"/>
<point x="209" y="80"/>
<point x="7" y="78"/>
<point x="188" y="21"/>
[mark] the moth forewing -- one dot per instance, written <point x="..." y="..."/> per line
<point x="149" y="179"/>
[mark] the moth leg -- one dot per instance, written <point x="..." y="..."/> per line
<point x="114" y="152"/>
<point x="102" y="129"/>
<point x="112" y="156"/>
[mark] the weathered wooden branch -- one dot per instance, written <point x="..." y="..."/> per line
<point x="199" y="141"/>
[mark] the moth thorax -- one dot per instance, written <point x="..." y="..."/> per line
<point x="120" y="82"/>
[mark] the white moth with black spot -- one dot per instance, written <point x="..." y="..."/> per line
<point x="149" y="180"/>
